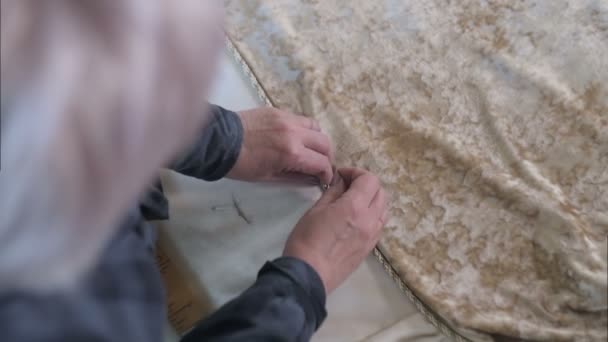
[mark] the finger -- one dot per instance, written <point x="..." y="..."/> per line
<point x="315" y="164"/>
<point x="374" y="240"/>
<point x="317" y="141"/>
<point x="299" y="178"/>
<point x="373" y="217"/>
<point x="385" y="217"/>
<point x="334" y="192"/>
<point x="305" y="122"/>
<point x="378" y="206"/>
<point x="349" y="174"/>
<point x="380" y="225"/>
<point x="363" y="187"/>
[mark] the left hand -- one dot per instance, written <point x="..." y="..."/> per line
<point x="278" y="145"/>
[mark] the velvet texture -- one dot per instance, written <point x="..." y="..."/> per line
<point x="488" y="123"/>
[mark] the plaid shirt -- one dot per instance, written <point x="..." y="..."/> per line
<point x="122" y="298"/>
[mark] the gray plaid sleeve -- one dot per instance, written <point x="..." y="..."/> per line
<point x="120" y="299"/>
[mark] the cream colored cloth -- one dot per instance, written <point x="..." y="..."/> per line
<point x="488" y="122"/>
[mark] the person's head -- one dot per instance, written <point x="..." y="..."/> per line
<point x="96" y="96"/>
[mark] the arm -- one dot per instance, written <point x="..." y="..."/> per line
<point x="216" y="150"/>
<point x="286" y="303"/>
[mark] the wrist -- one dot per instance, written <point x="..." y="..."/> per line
<point x="314" y="264"/>
<point x="237" y="145"/>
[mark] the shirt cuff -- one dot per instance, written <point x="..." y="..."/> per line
<point x="229" y="130"/>
<point x="216" y="150"/>
<point x="305" y="278"/>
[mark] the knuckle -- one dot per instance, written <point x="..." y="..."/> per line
<point x="274" y="113"/>
<point x="282" y="125"/>
<point x="276" y="117"/>
<point x="368" y="231"/>
<point x="292" y="150"/>
<point x="373" y="179"/>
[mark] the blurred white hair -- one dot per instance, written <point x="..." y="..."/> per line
<point x="96" y="96"/>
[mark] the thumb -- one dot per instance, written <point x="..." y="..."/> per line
<point x="336" y="190"/>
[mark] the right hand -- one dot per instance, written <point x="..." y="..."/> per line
<point x="336" y="234"/>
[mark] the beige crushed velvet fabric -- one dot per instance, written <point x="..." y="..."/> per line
<point x="488" y="122"/>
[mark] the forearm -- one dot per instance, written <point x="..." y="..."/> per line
<point x="286" y="303"/>
<point x="216" y="150"/>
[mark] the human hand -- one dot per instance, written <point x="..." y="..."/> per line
<point x="278" y="145"/>
<point x="336" y="234"/>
